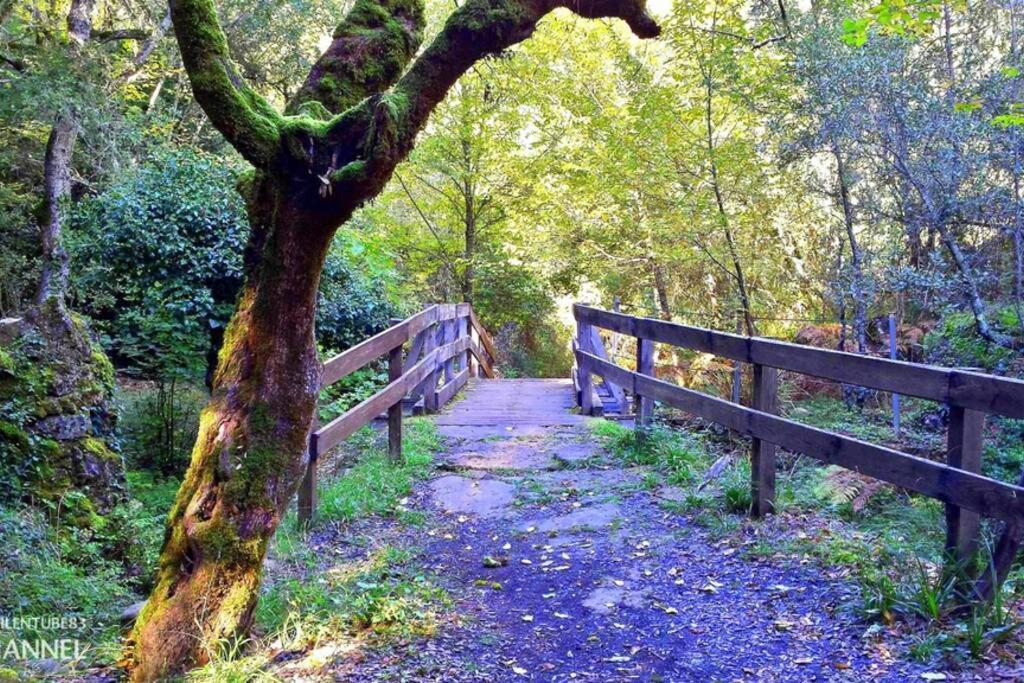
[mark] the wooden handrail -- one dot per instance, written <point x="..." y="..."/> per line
<point x="958" y="483"/>
<point x="990" y="497"/>
<point x="364" y="352"/>
<point x="1000" y="395"/>
<point x="421" y="376"/>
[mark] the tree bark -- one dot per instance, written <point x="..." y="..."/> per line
<point x="661" y="290"/>
<point x="469" y="195"/>
<point x="53" y="277"/>
<point x="80" y="20"/>
<point x="860" y="315"/>
<point x="737" y="273"/>
<point x="250" y="454"/>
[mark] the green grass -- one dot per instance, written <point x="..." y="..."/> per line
<point x="39" y="577"/>
<point x="676" y="455"/>
<point x="374" y="485"/>
<point x="386" y="592"/>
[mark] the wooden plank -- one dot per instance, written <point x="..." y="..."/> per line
<point x="395" y="411"/>
<point x="762" y="453"/>
<point x="976" y="391"/>
<point x="416" y="348"/>
<point x="597" y="348"/>
<point x="964" y="442"/>
<point x="447" y="312"/>
<point x="307" y="489"/>
<point x="429" y="388"/>
<point x="463" y="331"/>
<point x="643" y="405"/>
<point x="448" y="391"/>
<point x="376" y="346"/>
<point x="986" y="496"/>
<point x="583" y="344"/>
<point x="343" y="426"/>
<point x="481" y="358"/>
<point x="450" y="328"/>
<point x="485" y="338"/>
<point x="452" y="349"/>
<point x="474" y="363"/>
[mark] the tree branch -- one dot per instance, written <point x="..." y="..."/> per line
<point x="120" y="34"/>
<point x="248" y="122"/>
<point x="149" y="44"/>
<point x="370" y="48"/>
<point x="367" y="141"/>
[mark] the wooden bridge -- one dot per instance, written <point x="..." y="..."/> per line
<point x="433" y="354"/>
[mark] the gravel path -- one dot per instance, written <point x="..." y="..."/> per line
<point x="567" y="568"/>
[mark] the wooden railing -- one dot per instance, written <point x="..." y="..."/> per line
<point x="448" y="346"/>
<point x="967" y="494"/>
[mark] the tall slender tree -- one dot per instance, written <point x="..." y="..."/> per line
<point x="335" y="146"/>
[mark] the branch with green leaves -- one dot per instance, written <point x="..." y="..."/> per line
<point x="357" y="115"/>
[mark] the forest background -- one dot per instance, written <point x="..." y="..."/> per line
<point x="787" y="170"/>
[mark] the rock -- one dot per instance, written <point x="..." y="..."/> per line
<point x="46" y="666"/>
<point x="493" y="562"/>
<point x="576" y="453"/>
<point x="606" y="598"/>
<point x="131" y="613"/>
<point x="593" y="516"/>
<point x="64" y="427"/>
<point x="505" y="455"/>
<point x="9" y="329"/>
<point x="483" y="497"/>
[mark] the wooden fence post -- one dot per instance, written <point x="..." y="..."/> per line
<point x="737" y="373"/>
<point x="395" y="411"/>
<point x="762" y="453"/>
<point x="583" y="333"/>
<point x="307" y="490"/>
<point x="963" y="451"/>
<point x="450" y="334"/>
<point x="463" y="332"/>
<point x="430" y="387"/>
<point x="643" y="406"/>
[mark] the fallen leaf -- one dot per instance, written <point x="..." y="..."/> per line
<point x="493" y="561"/>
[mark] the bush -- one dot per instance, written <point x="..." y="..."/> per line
<point x="159" y="263"/>
<point x="357" y="288"/>
<point x="159" y="260"/>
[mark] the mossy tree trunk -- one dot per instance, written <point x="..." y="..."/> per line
<point x="247" y="461"/>
<point x="337" y="144"/>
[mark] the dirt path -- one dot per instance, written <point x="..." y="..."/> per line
<point x="566" y="567"/>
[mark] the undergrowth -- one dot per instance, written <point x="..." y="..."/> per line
<point x="889" y="542"/>
<point x="58" y="572"/>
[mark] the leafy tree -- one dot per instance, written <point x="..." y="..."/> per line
<point x="343" y="132"/>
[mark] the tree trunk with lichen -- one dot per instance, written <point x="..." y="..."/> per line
<point x="336" y="146"/>
<point x="248" y="459"/>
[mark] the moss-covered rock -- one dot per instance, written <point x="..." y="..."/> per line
<point x="56" y="419"/>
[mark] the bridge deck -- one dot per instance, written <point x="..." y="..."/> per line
<point x="514" y="403"/>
